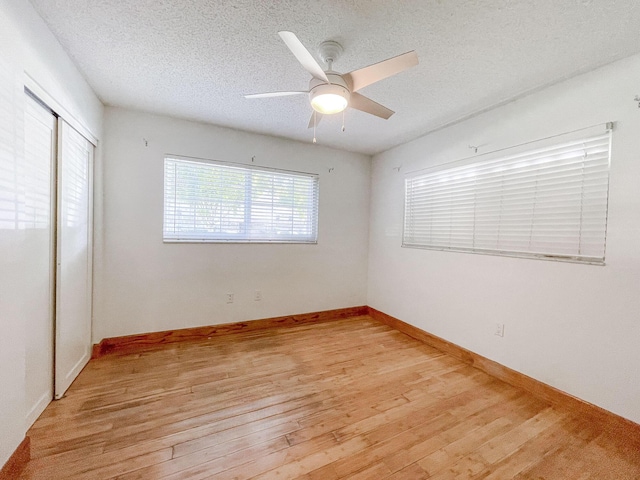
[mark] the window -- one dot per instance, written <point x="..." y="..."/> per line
<point x="207" y="201"/>
<point x="546" y="201"/>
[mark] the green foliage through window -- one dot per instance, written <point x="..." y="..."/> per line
<point x="218" y="202"/>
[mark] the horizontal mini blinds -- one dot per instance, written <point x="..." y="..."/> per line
<point x="217" y="202"/>
<point x="549" y="202"/>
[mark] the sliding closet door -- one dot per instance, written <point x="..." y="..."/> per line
<point x="37" y="220"/>
<point x="74" y="246"/>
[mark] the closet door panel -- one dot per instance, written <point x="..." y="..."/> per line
<point x="36" y="220"/>
<point x="73" y="282"/>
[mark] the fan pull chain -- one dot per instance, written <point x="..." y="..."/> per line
<point x="314" y="125"/>
<point x="343" y="120"/>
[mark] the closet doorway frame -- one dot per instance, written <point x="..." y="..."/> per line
<point x="64" y="375"/>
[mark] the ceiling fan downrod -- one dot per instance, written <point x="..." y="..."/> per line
<point x="329" y="52"/>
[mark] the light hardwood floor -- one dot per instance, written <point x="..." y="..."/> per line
<point x="347" y="398"/>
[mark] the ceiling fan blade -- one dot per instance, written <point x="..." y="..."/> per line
<point x="302" y="54"/>
<point x="318" y="117"/>
<point x="378" y="71"/>
<point x="365" y="104"/>
<point x="273" y="94"/>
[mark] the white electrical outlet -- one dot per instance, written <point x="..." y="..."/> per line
<point x="499" y="329"/>
<point x="229" y="297"/>
<point x="257" y="295"/>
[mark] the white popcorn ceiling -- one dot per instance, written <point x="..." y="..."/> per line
<point x="194" y="59"/>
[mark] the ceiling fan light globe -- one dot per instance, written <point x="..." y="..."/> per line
<point x="329" y="103"/>
<point x="329" y="99"/>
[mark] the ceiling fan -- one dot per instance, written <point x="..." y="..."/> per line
<point x="331" y="92"/>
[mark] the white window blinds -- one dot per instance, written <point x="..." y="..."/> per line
<point x="548" y="202"/>
<point x="207" y="201"/>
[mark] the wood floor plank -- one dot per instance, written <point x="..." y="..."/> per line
<point x="549" y="442"/>
<point x="349" y="398"/>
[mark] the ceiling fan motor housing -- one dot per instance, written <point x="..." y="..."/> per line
<point x="329" y="98"/>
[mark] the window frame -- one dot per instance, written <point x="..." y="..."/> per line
<point x="222" y="238"/>
<point x="510" y="153"/>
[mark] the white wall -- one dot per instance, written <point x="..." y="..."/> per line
<point x="144" y="285"/>
<point x="576" y="327"/>
<point x="30" y="48"/>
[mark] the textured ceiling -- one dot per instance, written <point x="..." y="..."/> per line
<point x="193" y="59"/>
